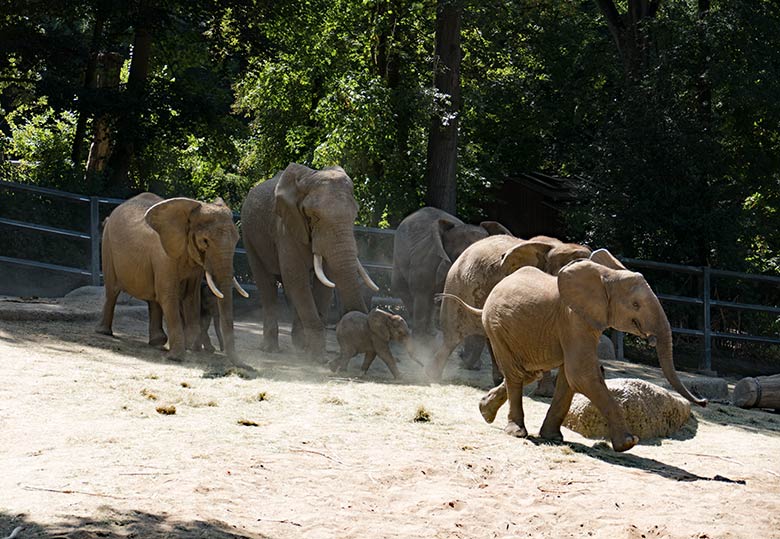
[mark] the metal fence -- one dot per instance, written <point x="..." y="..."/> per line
<point x="375" y="257"/>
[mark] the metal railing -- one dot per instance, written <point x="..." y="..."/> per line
<point x="704" y="300"/>
<point x="93" y="271"/>
<point x="706" y="303"/>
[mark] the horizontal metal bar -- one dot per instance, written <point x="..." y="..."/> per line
<point x="751" y="338"/>
<point x="686" y="331"/>
<point x="661" y="266"/>
<point x="745" y="306"/>
<point x="44" y="228"/>
<point x="372" y="230"/>
<point x="108" y="200"/>
<point x="43" y="190"/>
<point x="680" y="299"/>
<point x="746" y="276"/>
<point x="43" y="265"/>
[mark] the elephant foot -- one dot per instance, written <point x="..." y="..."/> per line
<point x="551" y="434"/>
<point x="103" y="330"/>
<point x="209" y="348"/>
<point x="270" y="347"/>
<point x="489" y="406"/>
<point x="518" y="431"/>
<point x="624" y="442"/>
<point x="176" y="357"/>
<point x="158" y="340"/>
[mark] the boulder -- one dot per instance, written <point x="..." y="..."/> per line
<point x="605" y="349"/>
<point x="651" y="411"/>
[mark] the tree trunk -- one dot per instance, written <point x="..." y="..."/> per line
<point x="758" y="392"/>
<point x="90" y="82"/>
<point x="443" y="137"/>
<point x="127" y="134"/>
<point x="629" y="32"/>
<point x="108" y="67"/>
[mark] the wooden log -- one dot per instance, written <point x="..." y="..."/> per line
<point x="758" y="392"/>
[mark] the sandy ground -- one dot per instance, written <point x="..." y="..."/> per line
<point x="298" y="452"/>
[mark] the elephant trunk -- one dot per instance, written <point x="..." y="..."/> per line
<point x="665" y="359"/>
<point x="224" y="281"/>
<point x="340" y="255"/>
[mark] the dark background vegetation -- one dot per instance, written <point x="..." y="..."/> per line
<point x="666" y="110"/>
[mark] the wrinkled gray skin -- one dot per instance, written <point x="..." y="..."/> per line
<point x="287" y="220"/>
<point x="159" y="250"/>
<point x="370" y="334"/>
<point x="536" y="322"/>
<point x="209" y="311"/>
<point x="473" y="276"/>
<point x="426" y="244"/>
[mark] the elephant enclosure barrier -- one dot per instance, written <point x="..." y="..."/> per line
<point x="46" y="232"/>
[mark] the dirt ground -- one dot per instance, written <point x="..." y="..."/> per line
<point x="299" y="452"/>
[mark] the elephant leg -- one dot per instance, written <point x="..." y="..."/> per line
<point x="421" y="319"/>
<point x="551" y="427"/>
<point x="107" y="317"/>
<point x="368" y="359"/>
<point x="157" y="336"/>
<point x="191" y="313"/>
<point x="587" y="379"/>
<point x="218" y="331"/>
<point x="296" y="333"/>
<point x="323" y="297"/>
<point x="171" y="308"/>
<point x="471" y="355"/>
<point x="387" y="356"/>
<point x="302" y="299"/>
<point x="498" y="376"/>
<point x="269" y="298"/>
<point x="516" y="424"/>
<point x="490" y="403"/>
<point x="435" y="369"/>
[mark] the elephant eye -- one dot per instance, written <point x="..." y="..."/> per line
<point x="203" y="243"/>
<point x="636" y="305"/>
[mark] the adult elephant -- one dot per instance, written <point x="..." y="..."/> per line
<point x="536" y="322"/>
<point x="426" y="244"/>
<point x="159" y="251"/>
<point x="301" y="221"/>
<point x="473" y="276"/>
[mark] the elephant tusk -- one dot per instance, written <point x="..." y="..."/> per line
<point x="320" y="273"/>
<point x="213" y="287"/>
<point x="239" y="289"/>
<point x="364" y="274"/>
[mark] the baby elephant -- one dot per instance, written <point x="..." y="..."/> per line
<point x="371" y="334"/>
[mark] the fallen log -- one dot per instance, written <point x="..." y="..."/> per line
<point x="758" y="392"/>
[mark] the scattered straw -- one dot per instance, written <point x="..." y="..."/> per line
<point x="166" y="410"/>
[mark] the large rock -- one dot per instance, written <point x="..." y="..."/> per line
<point x="651" y="411"/>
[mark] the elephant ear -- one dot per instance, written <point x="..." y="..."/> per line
<point x="495" y="228"/>
<point x="527" y="253"/>
<point x="582" y="288"/>
<point x="378" y="324"/>
<point x="170" y="219"/>
<point x="288" y="195"/>
<point x="605" y="258"/>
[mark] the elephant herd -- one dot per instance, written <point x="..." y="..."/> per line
<point x="539" y="303"/>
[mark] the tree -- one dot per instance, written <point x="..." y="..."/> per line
<point x="441" y="169"/>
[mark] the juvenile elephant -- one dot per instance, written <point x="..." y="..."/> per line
<point x="474" y="274"/>
<point x="426" y="244"/>
<point x="298" y="221"/>
<point x="371" y="334"/>
<point x="536" y="322"/>
<point x="159" y="250"/>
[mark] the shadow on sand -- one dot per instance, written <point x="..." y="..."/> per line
<point x="114" y="524"/>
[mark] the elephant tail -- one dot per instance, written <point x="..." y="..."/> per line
<point x="469" y="308"/>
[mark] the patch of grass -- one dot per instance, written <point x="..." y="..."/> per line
<point x="422" y="415"/>
<point x="166" y="410"/>
<point x="338" y="401"/>
<point x="212" y="404"/>
<point x="248" y="423"/>
<point x="148" y="394"/>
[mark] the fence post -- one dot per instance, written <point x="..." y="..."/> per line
<point x="706" y="365"/>
<point x="94" y="239"/>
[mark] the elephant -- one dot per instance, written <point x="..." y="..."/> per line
<point x="474" y="274"/>
<point x="426" y="244"/>
<point x="298" y="221"/>
<point x="159" y="251"/>
<point x="371" y="334"/>
<point x="536" y="322"/>
<point x="209" y="311"/>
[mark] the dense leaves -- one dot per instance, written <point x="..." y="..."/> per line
<point x="675" y="143"/>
